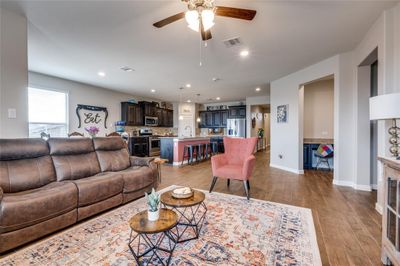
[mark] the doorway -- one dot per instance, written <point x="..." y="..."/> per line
<point x="317" y="130"/>
<point x="260" y="125"/>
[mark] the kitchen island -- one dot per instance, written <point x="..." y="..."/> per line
<point x="172" y="147"/>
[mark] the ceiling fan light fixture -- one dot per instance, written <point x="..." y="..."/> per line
<point x="207" y="17"/>
<point x="192" y="18"/>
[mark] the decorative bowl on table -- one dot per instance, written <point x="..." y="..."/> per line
<point x="182" y="193"/>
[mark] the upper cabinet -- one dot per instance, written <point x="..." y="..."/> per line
<point x="237" y="111"/>
<point x="213" y="119"/>
<point x="134" y="114"/>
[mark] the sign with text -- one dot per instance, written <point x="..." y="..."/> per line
<point x="89" y="115"/>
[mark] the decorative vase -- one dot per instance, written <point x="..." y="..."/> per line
<point x="153" y="216"/>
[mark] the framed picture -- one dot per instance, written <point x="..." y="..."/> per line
<point x="282" y="113"/>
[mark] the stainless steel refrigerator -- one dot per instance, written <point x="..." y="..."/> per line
<point x="236" y="128"/>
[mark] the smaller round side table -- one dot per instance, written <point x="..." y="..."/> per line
<point x="191" y="211"/>
<point x="155" y="238"/>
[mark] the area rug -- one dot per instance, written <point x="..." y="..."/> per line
<point x="235" y="232"/>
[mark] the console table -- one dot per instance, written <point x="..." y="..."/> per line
<point x="391" y="211"/>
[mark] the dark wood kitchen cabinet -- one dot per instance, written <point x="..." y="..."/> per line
<point x="165" y="117"/>
<point x="149" y="109"/>
<point x="237" y="111"/>
<point x="132" y="114"/>
<point x="213" y="119"/>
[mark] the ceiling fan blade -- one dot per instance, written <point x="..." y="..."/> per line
<point x="169" y="20"/>
<point x="232" y="12"/>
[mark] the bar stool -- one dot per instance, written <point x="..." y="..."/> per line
<point x="200" y="152"/>
<point x="207" y="150"/>
<point x="214" y="148"/>
<point x="188" y="153"/>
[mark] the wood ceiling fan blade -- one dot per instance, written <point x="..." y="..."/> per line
<point x="233" y="12"/>
<point x="169" y="20"/>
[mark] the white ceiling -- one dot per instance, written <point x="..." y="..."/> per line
<point x="76" y="39"/>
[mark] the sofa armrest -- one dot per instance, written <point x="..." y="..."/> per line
<point x="140" y="161"/>
<point x="218" y="160"/>
<point x="248" y="166"/>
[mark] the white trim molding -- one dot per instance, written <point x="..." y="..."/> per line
<point x="352" y="185"/>
<point x="378" y="208"/>
<point x="295" y="171"/>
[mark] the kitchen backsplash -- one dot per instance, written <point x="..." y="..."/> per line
<point x="162" y="131"/>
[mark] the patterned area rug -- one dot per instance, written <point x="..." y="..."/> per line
<point x="235" y="232"/>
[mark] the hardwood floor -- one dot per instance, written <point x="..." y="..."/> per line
<point x="347" y="225"/>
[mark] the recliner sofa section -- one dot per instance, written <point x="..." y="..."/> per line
<point x="47" y="186"/>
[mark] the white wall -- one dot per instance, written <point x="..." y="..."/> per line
<point x="318" y="109"/>
<point x="287" y="138"/>
<point x="13" y="74"/>
<point x="349" y="104"/>
<point x="79" y="93"/>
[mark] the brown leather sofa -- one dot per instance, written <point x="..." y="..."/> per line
<point x="46" y="186"/>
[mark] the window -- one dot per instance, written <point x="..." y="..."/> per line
<point x="47" y="113"/>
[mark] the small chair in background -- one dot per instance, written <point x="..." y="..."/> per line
<point x="75" y="134"/>
<point x="113" y="134"/>
<point x="324" y="153"/>
<point x="44" y="135"/>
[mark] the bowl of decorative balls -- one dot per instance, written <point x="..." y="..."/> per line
<point x="182" y="193"/>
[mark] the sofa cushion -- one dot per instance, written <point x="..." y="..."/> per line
<point x="72" y="167"/>
<point x="24" y="174"/>
<point x="99" y="187"/>
<point x="73" y="158"/>
<point x="112" y="154"/>
<point x="15" y="149"/>
<point x="137" y="177"/>
<point x="30" y="207"/>
<point x="70" y="146"/>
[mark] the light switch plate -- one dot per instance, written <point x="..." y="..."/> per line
<point x="12" y="113"/>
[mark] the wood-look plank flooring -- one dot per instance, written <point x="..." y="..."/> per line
<point x="347" y="225"/>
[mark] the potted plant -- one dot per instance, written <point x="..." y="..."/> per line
<point x="93" y="130"/>
<point x="261" y="133"/>
<point x="153" y="202"/>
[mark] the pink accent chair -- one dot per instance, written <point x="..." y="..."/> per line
<point x="236" y="163"/>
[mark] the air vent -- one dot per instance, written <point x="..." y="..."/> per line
<point x="232" y="42"/>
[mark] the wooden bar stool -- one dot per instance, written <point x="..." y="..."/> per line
<point x="188" y="152"/>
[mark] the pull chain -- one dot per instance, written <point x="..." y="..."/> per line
<point x="201" y="63"/>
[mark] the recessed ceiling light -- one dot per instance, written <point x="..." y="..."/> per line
<point x="127" y="69"/>
<point x="188" y="85"/>
<point x="244" y="53"/>
<point x="189" y="101"/>
<point x="218" y="98"/>
<point x="258" y="89"/>
<point x="153" y="91"/>
<point x="101" y="74"/>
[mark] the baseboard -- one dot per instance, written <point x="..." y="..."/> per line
<point x="184" y="162"/>
<point x="374" y="186"/>
<point x="296" y="171"/>
<point x="352" y="185"/>
<point x="378" y="208"/>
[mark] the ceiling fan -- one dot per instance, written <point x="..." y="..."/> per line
<point x="200" y="16"/>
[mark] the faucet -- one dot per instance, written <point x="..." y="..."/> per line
<point x="190" y="128"/>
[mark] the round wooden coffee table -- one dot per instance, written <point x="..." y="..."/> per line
<point x="153" y="237"/>
<point x="191" y="211"/>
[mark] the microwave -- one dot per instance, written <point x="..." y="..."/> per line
<point x="150" y="121"/>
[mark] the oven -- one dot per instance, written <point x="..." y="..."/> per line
<point x="154" y="146"/>
<point x="150" y="121"/>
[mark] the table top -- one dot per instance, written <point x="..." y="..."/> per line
<point x="160" y="160"/>
<point x="167" y="199"/>
<point x="141" y="224"/>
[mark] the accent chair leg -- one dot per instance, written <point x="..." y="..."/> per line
<point x="213" y="183"/>
<point x="228" y="182"/>
<point x="248" y="184"/>
<point x="246" y="189"/>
